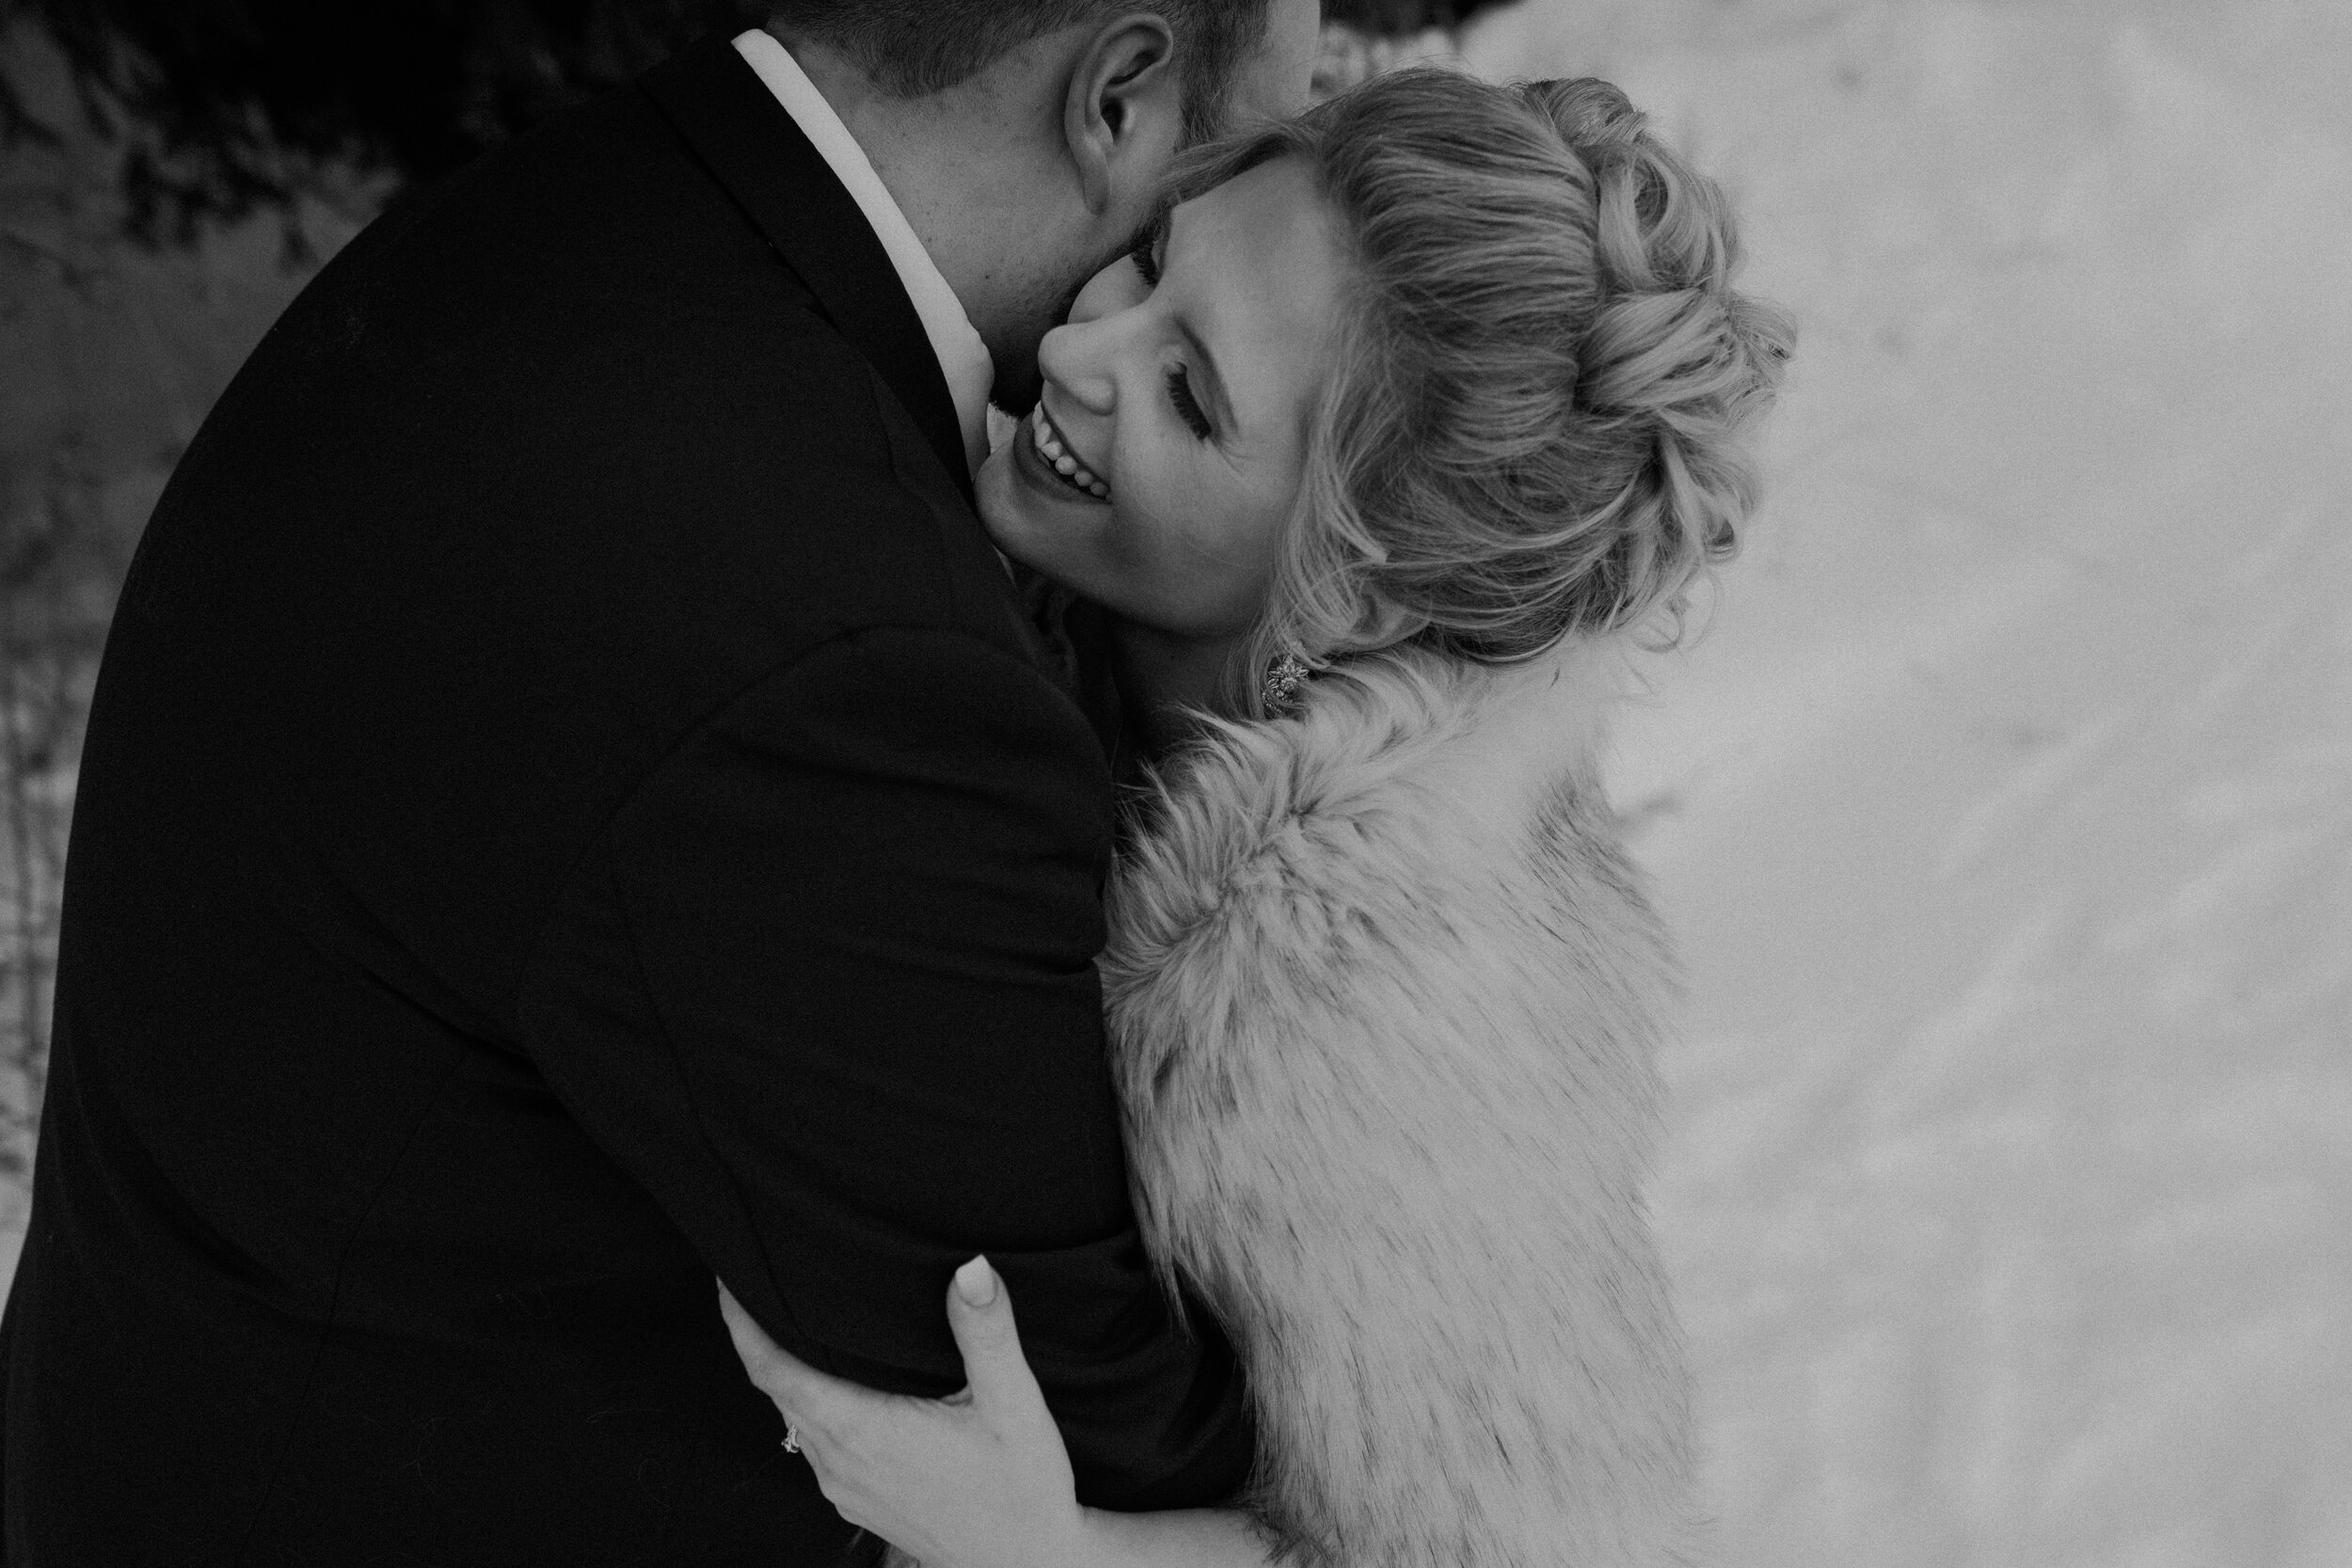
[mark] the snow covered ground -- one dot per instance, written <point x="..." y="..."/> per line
<point x="2007" y="808"/>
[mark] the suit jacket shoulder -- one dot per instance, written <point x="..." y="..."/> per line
<point x="550" y="464"/>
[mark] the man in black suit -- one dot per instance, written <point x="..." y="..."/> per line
<point x="573" y="806"/>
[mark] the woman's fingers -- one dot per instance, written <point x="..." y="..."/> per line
<point x="981" y="1476"/>
<point x="999" y="1383"/>
<point x="758" y="1352"/>
<point x="803" y="1394"/>
<point x="980" y="1313"/>
<point x="752" y="1345"/>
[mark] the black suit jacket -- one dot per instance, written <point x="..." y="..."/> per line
<point x="571" y="806"/>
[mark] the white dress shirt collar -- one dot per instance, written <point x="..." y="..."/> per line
<point x="963" y="358"/>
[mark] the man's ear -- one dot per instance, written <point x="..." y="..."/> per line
<point x="1122" y="116"/>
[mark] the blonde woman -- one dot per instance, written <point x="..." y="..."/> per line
<point x="1377" y="451"/>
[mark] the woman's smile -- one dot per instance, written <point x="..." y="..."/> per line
<point x="1057" y="456"/>
<point x="1159" y="466"/>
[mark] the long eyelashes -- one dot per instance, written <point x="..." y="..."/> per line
<point x="1143" y="250"/>
<point x="1187" y="406"/>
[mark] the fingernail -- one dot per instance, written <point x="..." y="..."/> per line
<point x="975" y="1282"/>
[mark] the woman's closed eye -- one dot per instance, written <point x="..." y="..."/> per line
<point x="1187" y="406"/>
<point x="1144" y="251"/>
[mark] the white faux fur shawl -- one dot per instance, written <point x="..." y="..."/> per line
<point x="1384" y="996"/>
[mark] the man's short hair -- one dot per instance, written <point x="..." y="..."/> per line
<point x="914" y="48"/>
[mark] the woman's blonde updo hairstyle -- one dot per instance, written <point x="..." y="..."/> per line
<point x="1541" y="376"/>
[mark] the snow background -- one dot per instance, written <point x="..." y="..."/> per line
<point x="2006" y="808"/>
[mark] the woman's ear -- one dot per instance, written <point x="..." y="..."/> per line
<point x="1122" y="115"/>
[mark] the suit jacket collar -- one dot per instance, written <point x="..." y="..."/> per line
<point x="752" y="147"/>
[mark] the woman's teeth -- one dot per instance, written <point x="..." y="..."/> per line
<point x="1073" y="473"/>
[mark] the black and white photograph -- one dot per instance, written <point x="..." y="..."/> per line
<point x="1176" y="784"/>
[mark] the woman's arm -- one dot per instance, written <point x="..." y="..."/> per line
<point x="981" y="1479"/>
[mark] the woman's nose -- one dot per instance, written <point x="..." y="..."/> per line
<point x="1076" y="359"/>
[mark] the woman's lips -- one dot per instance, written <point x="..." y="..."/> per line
<point x="1055" y="455"/>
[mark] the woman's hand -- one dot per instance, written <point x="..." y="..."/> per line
<point x="977" y="1479"/>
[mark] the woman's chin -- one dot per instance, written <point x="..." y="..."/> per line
<point x="1042" y="529"/>
<point x="995" y="488"/>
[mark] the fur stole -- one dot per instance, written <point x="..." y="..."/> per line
<point x="1384" y="997"/>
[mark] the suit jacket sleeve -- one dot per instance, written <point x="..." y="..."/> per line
<point x="839" y="950"/>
